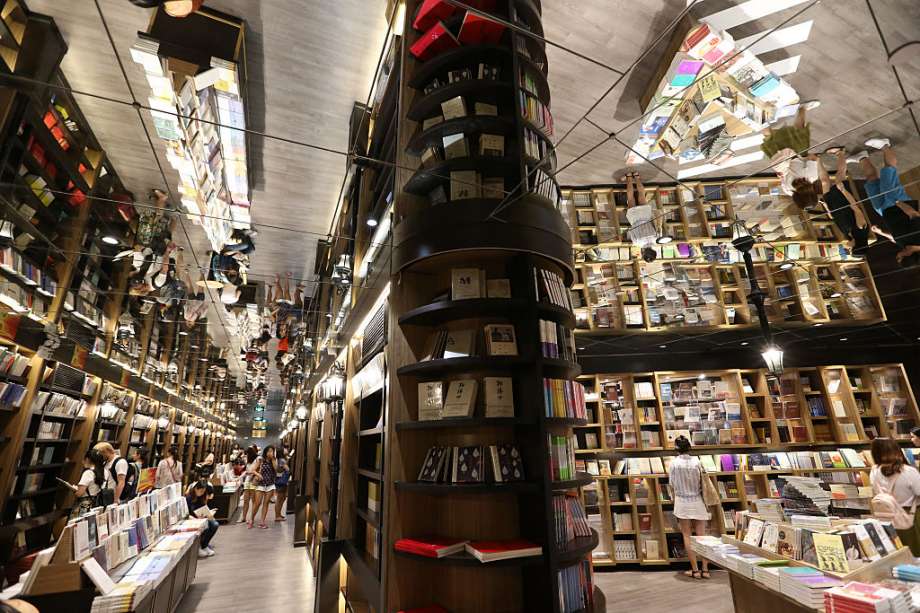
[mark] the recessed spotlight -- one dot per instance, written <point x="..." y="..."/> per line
<point x="701" y="376"/>
<point x="662" y="346"/>
<point x="664" y="240"/>
<point x="786" y="265"/>
<point x="109" y="240"/>
<point x="744" y="343"/>
<point x="836" y="295"/>
<point x="843" y="338"/>
<point x="183" y="333"/>
<point x="203" y="359"/>
<point x="372" y="222"/>
<point x="818" y="324"/>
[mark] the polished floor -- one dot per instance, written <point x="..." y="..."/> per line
<point x="253" y="570"/>
<point x="259" y="570"/>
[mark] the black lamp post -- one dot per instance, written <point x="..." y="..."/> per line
<point x="743" y="241"/>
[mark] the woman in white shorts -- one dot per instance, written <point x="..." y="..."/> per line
<point x="685" y="475"/>
<point x="249" y="488"/>
<point x="265" y="486"/>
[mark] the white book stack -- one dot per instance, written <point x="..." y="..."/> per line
<point x="768" y="576"/>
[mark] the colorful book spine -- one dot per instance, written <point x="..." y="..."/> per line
<point x="564" y="399"/>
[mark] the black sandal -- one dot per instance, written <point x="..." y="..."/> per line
<point x="693" y="574"/>
<point x="705" y="575"/>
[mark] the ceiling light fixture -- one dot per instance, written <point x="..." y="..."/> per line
<point x="109" y="240"/>
<point x="843" y="338"/>
<point x="836" y="295"/>
<point x="664" y="239"/>
<point x="372" y="222"/>
<point x="786" y="265"/>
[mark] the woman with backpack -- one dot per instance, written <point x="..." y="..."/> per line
<point x="896" y="489"/>
<point x="90" y="483"/>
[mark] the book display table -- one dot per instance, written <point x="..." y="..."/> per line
<point x="225" y="505"/>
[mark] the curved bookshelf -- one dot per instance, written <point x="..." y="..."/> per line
<point x="461" y="57"/>
<point x="426" y="179"/>
<point x="426" y="106"/>
<point x="444" y="311"/>
<point x="431" y="137"/>
<point x="576" y="549"/>
<point x="489" y="489"/>
<point x="543" y="92"/>
<point x="581" y="480"/>
<point x="560" y="369"/>
<point x="531" y="14"/>
<point x="565" y="421"/>
<point x="448" y="366"/>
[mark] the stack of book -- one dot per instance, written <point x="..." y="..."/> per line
<point x="806" y="585"/>
<point x="767" y="573"/>
<point x="472" y="464"/>
<point x="856" y="597"/>
<point x="570" y="521"/>
<point x="805" y="496"/>
<point x="562" y="458"/>
<point x="563" y="398"/>
<point x="906" y="572"/>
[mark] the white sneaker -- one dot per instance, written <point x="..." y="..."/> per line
<point x="210" y="551"/>
<point x="878" y="143"/>
<point x="809" y="105"/>
<point x="204" y="553"/>
<point x="854" y="159"/>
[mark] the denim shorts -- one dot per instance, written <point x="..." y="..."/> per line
<point x="886" y="191"/>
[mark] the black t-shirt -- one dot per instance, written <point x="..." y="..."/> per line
<point x="840" y="211"/>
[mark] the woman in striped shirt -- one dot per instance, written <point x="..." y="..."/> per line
<point x="685" y="476"/>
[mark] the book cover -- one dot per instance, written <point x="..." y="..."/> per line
<point x="431" y="547"/>
<point x="830" y="552"/>
<point x="430" y="400"/>
<point x="468" y="465"/>
<point x="465" y="283"/>
<point x="454" y="146"/>
<point x="461" y="398"/>
<point x="464" y="184"/>
<point x="459" y="343"/>
<point x="436" y="40"/>
<point x="500" y="339"/>
<point x="499" y="396"/>
<point x="431" y="467"/>
<point x="454" y="108"/>
<point x="479" y="30"/>
<point x="506" y="463"/>
<point x="498" y="288"/>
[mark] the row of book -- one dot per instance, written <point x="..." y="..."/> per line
<point x="550" y="287"/>
<point x="499" y="340"/>
<point x="12" y="261"/>
<point x="11" y="394"/>
<point x="482" y="72"/>
<point x="556" y="341"/>
<point x="569" y="519"/>
<point x="472" y="464"/>
<point x="539" y="182"/>
<point x="562" y="457"/>
<point x="564" y="398"/>
<point x="576" y="591"/>
<point x="475" y="29"/>
<point x="535" y="146"/>
<point x="460" y="400"/>
<point x="455" y="146"/>
<point x="13" y="363"/>
<point x="53" y="403"/>
<point x="537" y="113"/>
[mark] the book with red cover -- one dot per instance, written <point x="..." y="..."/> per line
<point x="431" y="546"/>
<point x="491" y="551"/>
<point x="478" y="30"/>
<point x="435" y="41"/>
<point x="431" y="12"/>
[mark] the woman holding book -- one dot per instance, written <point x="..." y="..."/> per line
<point x="90" y="484"/>
<point x="197" y="498"/>
<point x="892" y="475"/>
<point x="685" y="474"/>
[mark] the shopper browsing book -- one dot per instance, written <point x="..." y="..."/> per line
<point x="847" y="213"/>
<point x="891" y="477"/>
<point x="169" y="470"/>
<point x="785" y="147"/>
<point x="685" y="475"/>
<point x="197" y="497"/>
<point x="120" y="475"/>
<point x="90" y="484"/>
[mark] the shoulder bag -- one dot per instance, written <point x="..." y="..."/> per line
<point x="710" y="494"/>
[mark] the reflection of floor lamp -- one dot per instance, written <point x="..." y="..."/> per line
<point x="772" y="355"/>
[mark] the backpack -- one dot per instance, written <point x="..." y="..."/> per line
<point x="886" y="508"/>
<point x="130" y="489"/>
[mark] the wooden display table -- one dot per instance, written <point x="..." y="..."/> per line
<point x="225" y="504"/>
<point x="750" y="596"/>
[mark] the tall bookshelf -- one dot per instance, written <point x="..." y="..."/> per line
<point x="818" y="408"/>
<point x="442" y="222"/>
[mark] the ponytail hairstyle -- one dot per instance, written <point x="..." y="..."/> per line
<point x="682" y="443"/>
<point x="98" y="463"/>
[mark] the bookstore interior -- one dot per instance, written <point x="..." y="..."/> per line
<point x="501" y="305"/>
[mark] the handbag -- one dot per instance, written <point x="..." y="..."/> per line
<point x="710" y="494"/>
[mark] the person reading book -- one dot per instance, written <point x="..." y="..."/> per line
<point x="685" y="474"/>
<point x="90" y="484"/>
<point x="643" y="226"/>
<point x="785" y="146"/>
<point x="197" y="498"/>
<point x="890" y="200"/>
<point x="893" y="476"/>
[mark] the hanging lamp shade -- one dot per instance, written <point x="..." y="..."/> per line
<point x="773" y="358"/>
<point x="741" y="237"/>
<point x="181" y="8"/>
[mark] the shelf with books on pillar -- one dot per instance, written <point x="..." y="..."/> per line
<point x="482" y="393"/>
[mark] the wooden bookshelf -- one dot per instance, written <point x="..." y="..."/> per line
<point x="616" y="291"/>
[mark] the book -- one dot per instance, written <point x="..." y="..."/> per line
<point x="430" y="547"/>
<point x="459" y="343"/>
<point x="480" y="30"/>
<point x="500" y="339"/>
<point x="461" y="398"/>
<point x="433" y="464"/>
<point x="454" y="146"/>
<point x="431" y="12"/>
<point x="467" y="465"/>
<point x="483" y="108"/>
<point x="466" y="283"/>
<point x="464" y="184"/>
<point x="492" y="145"/>
<point x="830" y="552"/>
<point x="435" y="41"/>
<point x="430" y="400"/>
<point x="453" y="108"/>
<point x="506" y="463"/>
<point x="499" y="396"/>
<point x="492" y="551"/>
<point x="498" y="288"/>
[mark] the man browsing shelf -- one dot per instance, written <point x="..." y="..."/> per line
<point x="118" y="471"/>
